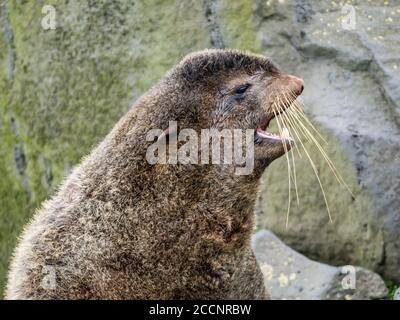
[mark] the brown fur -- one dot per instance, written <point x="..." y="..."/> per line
<point x="120" y="228"/>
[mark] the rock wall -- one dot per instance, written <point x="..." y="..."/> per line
<point x="62" y="90"/>
<point x="352" y="86"/>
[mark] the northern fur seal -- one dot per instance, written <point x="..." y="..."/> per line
<point x="122" y="228"/>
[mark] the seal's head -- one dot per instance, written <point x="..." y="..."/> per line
<point x="239" y="91"/>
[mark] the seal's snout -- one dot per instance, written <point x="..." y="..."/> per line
<point x="301" y="88"/>
<point x="296" y="84"/>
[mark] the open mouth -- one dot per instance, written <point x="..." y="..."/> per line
<point x="295" y="88"/>
<point x="262" y="133"/>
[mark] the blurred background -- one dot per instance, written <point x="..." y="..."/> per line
<point x="70" y="69"/>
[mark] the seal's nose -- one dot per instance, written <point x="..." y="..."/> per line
<point x="301" y="87"/>
<point x="296" y="84"/>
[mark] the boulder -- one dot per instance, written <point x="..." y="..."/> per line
<point x="290" y="275"/>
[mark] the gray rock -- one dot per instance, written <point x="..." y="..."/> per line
<point x="290" y="275"/>
<point x="351" y="89"/>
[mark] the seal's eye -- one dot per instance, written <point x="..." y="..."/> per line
<point x="239" y="91"/>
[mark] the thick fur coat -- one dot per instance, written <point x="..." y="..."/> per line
<point x="121" y="228"/>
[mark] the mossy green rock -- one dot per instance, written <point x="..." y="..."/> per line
<point x="62" y="90"/>
<point x="310" y="224"/>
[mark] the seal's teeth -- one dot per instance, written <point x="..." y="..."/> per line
<point x="285" y="133"/>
